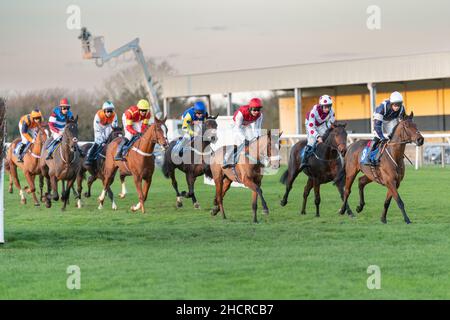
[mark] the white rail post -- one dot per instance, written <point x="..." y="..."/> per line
<point x="417" y="157"/>
<point x="442" y="156"/>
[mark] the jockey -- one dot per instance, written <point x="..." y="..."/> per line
<point x="104" y="122"/>
<point x="135" y="120"/>
<point x="247" y="126"/>
<point x="385" y="117"/>
<point x="28" y="125"/>
<point x="317" y="122"/>
<point x="191" y="116"/>
<point x="57" y="122"/>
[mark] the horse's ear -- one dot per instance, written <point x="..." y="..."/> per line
<point x="76" y="119"/>
<point x="164" y="119"/>
<point x="281" y="132"/>
<point x="214" y="118"/>
<point x="411" y="115"/>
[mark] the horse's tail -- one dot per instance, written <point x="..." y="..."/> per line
<point x="284" y="176"/>
<point x="207" y="170"/>
<point x="165" y="167"/>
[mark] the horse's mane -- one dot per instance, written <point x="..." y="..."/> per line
<point x="328" y="132"/>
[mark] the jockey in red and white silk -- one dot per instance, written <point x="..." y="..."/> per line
<point x="317" y="122"/>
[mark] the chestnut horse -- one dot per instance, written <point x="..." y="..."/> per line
<point x="139" y="162"/>
<point x="96" y="169"/>
<point x="391" y="170"/>
<point x="260" y="152"/>
<point x="64" y="166"/>
<point x="29" y="166"/>
<point x="194" y="166"/>
<point x="325" y="165"/>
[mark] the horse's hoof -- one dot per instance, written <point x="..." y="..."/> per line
<point x="383" y="220"/>
<point x="179" y="204"/>
<point x="196" y="205"/>
<point x="303" y="213"/>
<point x="214" y="211"/>
<point x="121" y="196"/>
<point x="408" y="221"/>
<point x="317" y="215"/>
<point x="10" y="191"/>
<point x="79" y="205"/>
<point x="37" y="204"/>
<point x="100" y="207"/>
<point x="114" y="206"/>
<point x="266" y="211"/>
<point x="87" y="195"/>
<point x="48" y="205"/>
<point x="342" y="212"/>
<point x="359" y="209"/>
<point x="23" y="201"/>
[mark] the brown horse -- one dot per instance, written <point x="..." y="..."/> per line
<point x="260" y="152"/>
<point x="391" y="169"/>
<point x="194" y="166"/>
<point x="324" y="166"/>
<point x="65" y="165"/>
<point x="29" y="166"/>
<point x="139" y="162"/>
<point x="96" y="169"/>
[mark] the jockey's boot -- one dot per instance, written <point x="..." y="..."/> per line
<point x="369" y="161"/>
<point x="229" y="158"/>
<point x="21" y="152"/>
<point x="306" y="155"/>
<point x="51" y="148"/>
<point x="119" y="154"/>
<point x="90" y="158"/>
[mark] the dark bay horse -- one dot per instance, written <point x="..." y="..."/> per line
<point x="195" y="163"/>
<point x="261" y="152"/>
<point x="65" y="165"/>
<point x="29" y="166"/>
<point x="96" y="169"/>
<point x="139" y="162"/>
<point x="391" y="170"/>
<point x="325" y="165"/>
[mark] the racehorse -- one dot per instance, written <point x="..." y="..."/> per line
<point x="248" y="170"/>
<point x="325" y="165"/>
<point x="139" y="162"/>
<point x="195" y="164"/>
<point x="64" y="166"/>
<point x="391" y="169"/>
<point x="95" y="170"/>
<point x="29" y="166"/>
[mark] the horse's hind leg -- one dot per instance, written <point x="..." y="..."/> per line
<point x="15" y="177"/>
<point x="255" y="206"/>
<point x="362" y="182"/>
<point x="219" y="199"/>
<point x="291" y="176"/>
<point x="309" y="185"/>
<point x="111" y="197"/>
<point x="10" y="188"/>
<point x="140" y="204"/>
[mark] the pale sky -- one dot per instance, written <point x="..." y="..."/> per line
<point x="38" y="51"/>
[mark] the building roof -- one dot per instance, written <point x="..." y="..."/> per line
<point x="375" y="70"/>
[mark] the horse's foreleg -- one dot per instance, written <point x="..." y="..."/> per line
<point x="309" y="185"/>
<point x="54" y="186"/>
<point x="291" y="176"/>
<point x="362" y="182"/>
<point x="124" y="187"/>
<point x="79" y="190"/>
<point x="387" y="203"/>
<point x="147" y="184"/>
<point x="348" y="189"/>
<point x="30" y="179"/>
<point x="393" y="189"/>
<point x="66" y="193"/>
<point x="140" y="205"/>
<point x="190" y="179"/>
<point x="219" y="199"/>
<point x="90" y="181"/>
<point x="10" y="188"/>
<point x="111" y="197"/>
<point x="317" y="198"/>
<point x="41" y="186"/>
<point x="175" y="186"/>
<point x="256" y="188"/>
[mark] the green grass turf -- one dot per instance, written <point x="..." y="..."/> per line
<point x="185" y="253"/>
